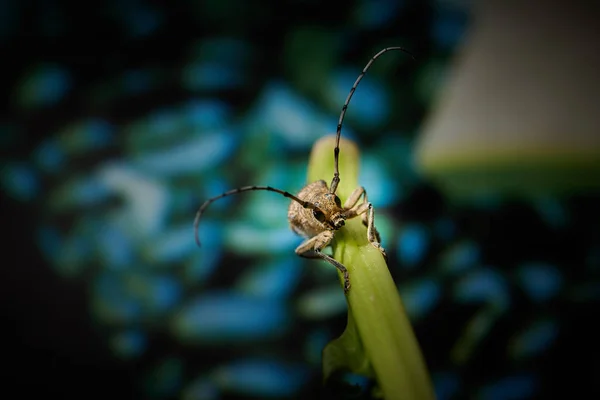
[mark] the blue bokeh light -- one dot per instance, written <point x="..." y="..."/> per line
<point x="539" y="280"/>
<point x="229" y="317"/>
<point x="412" y="245"/>
<point x="43" y="86"/>
<point x="264" y="378"/>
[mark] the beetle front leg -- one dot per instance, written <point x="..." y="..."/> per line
<point x="311" y="248"/>
<point x="352" y="201"/>
<point x="365" y="210"/>
<point x="372" y="233"/>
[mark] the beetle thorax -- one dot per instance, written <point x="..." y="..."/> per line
<point x="327" y="213"/>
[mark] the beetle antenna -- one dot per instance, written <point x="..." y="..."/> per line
<point x="336" y="150"/>
<point x="204" y="205"/>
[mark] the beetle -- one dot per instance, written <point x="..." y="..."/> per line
<point x="316" y="213"/>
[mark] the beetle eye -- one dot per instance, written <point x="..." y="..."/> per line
<point x="319" y="215"/>
<point x="338" y="202"/>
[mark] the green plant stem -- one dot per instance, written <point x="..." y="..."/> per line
<point x="379" y="340"/>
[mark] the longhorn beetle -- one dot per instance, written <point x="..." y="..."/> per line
<point x="317" y="212"/>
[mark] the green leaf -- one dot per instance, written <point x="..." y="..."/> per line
<point x="378" y="340"/>
<point x="346" y="352"/>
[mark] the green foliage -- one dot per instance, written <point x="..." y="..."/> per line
<point x="378" y="340"/>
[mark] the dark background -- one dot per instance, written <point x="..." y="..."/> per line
<point x="54" y="346"/>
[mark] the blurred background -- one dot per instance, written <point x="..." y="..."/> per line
<point x="123" y="117"/>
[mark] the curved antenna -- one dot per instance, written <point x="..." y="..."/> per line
<point x="336" y="150"/>
<point x="304" y="204"/>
